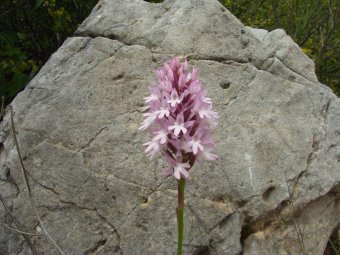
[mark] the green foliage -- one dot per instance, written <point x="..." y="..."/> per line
<point x="333" y="245"/>
<point x="30" y="31"/>
<point x="15" y="67"/>
<point x="313" y="24"/>
<point x="33" y="29"/>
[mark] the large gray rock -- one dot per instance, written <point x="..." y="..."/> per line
<point x="274" y="190"/>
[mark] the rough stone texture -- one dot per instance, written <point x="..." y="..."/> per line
<point x="274" y="190"/>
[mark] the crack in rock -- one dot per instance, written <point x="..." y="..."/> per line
<point x="92" y="139"/>
<point x="95" y="247"/>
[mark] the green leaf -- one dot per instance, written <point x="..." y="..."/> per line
<point x="8" y="38"/>
<point x="38" y="3"/>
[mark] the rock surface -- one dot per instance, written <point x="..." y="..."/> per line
<point x="274" y="190"/>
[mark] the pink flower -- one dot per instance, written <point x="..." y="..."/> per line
<point x="174" y="99"/>
<point x="163" y="112"/>
<point x="152" y="148"/>
<point x="151" y="116"/>
<point x="195" y="145"/>
<point x="180" y="125"/>
<point x="176" y="168"/>
<point x="180" y="117"/>
<point x="161" y="136"/>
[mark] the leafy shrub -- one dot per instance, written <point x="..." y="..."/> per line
<point x="313" y="24"/>
<point x="30" y="31"/>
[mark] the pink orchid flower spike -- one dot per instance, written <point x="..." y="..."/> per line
<point x="180" y="118"/>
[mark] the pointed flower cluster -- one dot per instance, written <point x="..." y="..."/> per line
<point x="180" y="118"/>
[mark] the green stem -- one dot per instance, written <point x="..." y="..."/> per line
<point x="180" y="211"/>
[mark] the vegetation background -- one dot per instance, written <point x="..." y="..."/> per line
<point x="313" y="24"/>
<point x="31" y="30"/>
